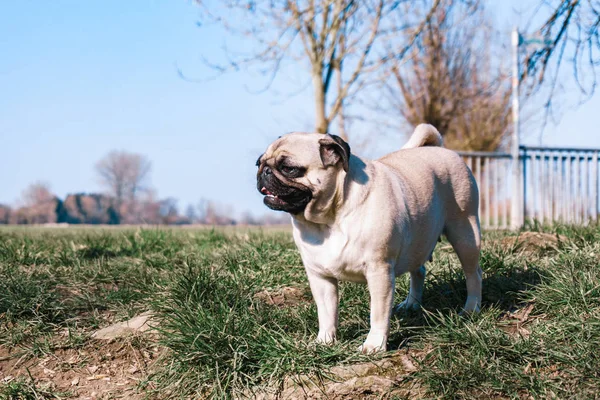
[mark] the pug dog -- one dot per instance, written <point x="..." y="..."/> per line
<point x="371" y="221"/>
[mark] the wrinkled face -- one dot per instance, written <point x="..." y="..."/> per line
<point x="296" y="169"/>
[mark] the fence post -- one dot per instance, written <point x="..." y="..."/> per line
<point x="524" y="197"/>
<point x="596" y="187"/>
<point x="478" y="179"/>
<point x="516" y="219"/>
<point x="486" y="189"/>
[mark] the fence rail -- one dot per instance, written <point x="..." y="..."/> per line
<point x="558" y="184"/>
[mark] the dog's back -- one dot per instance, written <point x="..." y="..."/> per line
<point x="431" y="167"/>
<point x="437" y="169"/>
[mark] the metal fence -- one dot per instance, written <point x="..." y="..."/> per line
<point x="557" y="185"/>
<point x="492" y="173"/>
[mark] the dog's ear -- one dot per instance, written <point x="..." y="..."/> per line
<point x="333" y="149"/>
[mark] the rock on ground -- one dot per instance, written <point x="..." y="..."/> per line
<point x="137" y="324"/>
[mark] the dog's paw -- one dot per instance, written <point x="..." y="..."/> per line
<point x="472" y="306"/>
<point x="373" y="344"/>
<point x="407" y="306"/>
<point x="326" y="337"/>
<point x="465" y="312"/>
<point x="370" y="349"/>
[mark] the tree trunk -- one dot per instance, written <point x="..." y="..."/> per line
<point x="321" y="123"/>
<point x="341" y="116"/>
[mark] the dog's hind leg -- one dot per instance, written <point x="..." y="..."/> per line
<point x="415" y="293"/>
<point x="465" y="237"/>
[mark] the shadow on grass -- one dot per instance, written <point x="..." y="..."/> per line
<point x="446" y="292"/>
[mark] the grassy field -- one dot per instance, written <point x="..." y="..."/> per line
<point x="233" y="317"/>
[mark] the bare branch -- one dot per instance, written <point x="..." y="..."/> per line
<point x="124" y="175"/>
<point x="570" y="30"/>
<point x="346" y="38"/>
<point x="367" y="49"/>
<point x="451" y="80"/>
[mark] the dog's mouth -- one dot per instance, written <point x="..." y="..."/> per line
<point x="266" y="192"/>
<point x="272" y="198"/>
<point x="285" y="198"/>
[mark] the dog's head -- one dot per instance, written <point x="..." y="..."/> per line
<point x="302" y="170"/>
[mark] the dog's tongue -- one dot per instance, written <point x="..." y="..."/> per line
<point x="265" y="191"/>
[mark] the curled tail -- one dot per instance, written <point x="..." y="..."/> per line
<point x="424" y="135"/>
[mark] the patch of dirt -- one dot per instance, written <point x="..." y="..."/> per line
<point x="98" y="369"/>
<point x="533" y="242"/>
<point x="516" y="323"/>
<point x="93" y="371"/>
<point x="283" y="297"/>
<point x="382" y="379"/>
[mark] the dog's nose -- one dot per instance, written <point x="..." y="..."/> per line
<point x="267" y="170"/>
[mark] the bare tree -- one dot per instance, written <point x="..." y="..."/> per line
<point x="248" y="219"/>
<point x="5" y="213"/>
<point x="37" y="193"/>
<point x="345" y="39"/>
<point x="211" y="213"/>
<point x="275" y="219"/>
<point x="570" y="32"/>
<point x="39" y="205"/>
<point x="453" y="81"/>
<point x="150" y="207"/>
<point x="124" y="175"/>
<point x="271" y="218"/>
<point x="190" y="214"/>
<point x="169" y="212"/>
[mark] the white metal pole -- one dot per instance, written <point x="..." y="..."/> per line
<point x="516" y="212"/>
<point x="595" y="187"/>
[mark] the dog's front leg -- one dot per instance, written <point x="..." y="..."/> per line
<point x="325" y="293"/>
<point x="380" y="280"/>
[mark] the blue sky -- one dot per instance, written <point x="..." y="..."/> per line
<point x="81" y="78"/>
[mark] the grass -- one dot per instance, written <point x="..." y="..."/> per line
<point x="538" y="333"/>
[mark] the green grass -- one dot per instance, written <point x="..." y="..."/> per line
<point x="223" y="339"/>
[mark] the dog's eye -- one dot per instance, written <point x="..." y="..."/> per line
<point x="291" y="172"/>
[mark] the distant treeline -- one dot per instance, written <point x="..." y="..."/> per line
<point x="75" y="209"/>
<point x="127" y="199"/>
<point x="94" y="208"/>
